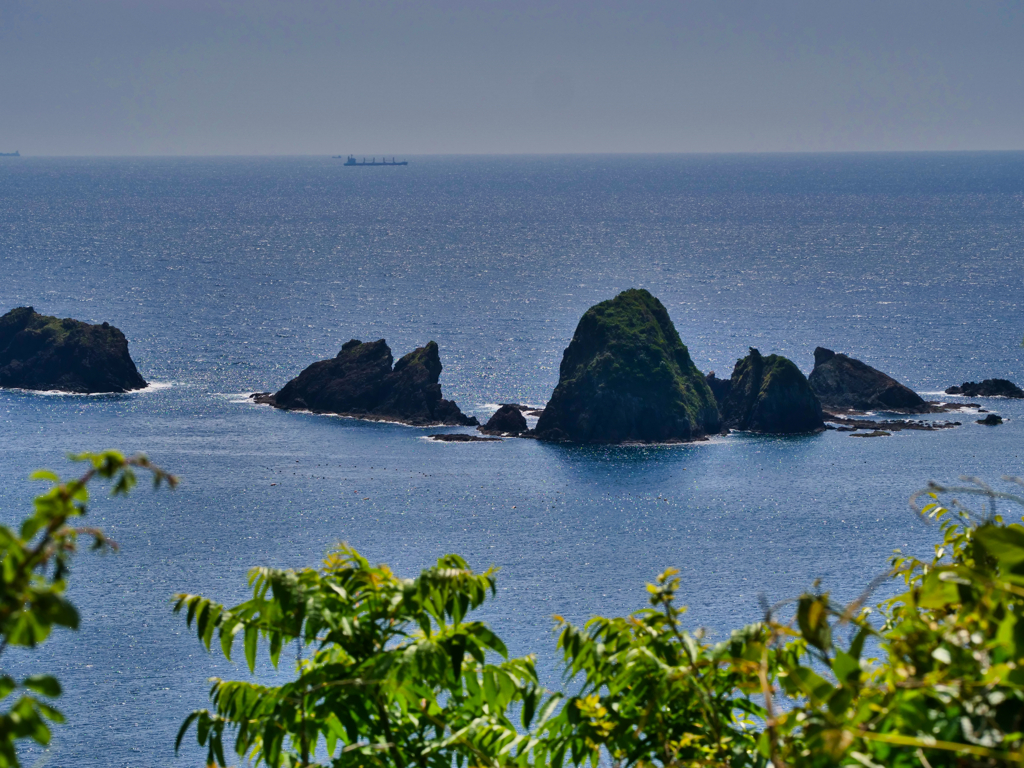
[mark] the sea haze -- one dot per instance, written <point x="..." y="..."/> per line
<point x="229" y="276"/>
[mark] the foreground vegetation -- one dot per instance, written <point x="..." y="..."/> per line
<point x="396" y="672"/>
<point x="34" y="566"/>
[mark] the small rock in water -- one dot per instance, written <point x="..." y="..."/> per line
<point x="461" y="437"/>
<point x="876" y="433"/>
<point x="987" y="388"/>
<point x="991" y="420"/>
<point x="508" y="420"/>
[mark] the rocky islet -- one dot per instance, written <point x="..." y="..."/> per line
<point x="361" y="382"/>
<point x="845" y="383"/>
<point x="42" y="352"/>
<point x="507" y="420"/>
<point x="988" y="388"/>
<point x="767" y="394"/>
<point x="627" y="377"/>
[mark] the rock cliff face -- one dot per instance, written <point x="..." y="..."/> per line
<point x="843" y="382"/>
<point x="769" y="394"/>
<point x="508" y="419"/>
<point x="987" y="388"/>
<point x="719" y="387"/>
<point x="361" y="382"/>
<point x="47" y="353"/>
<point x="627" y="377"/>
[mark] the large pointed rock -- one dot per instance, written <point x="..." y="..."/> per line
<point x="627" y="377"/>
<point x="845" y="383"/>
<point x="768" y="394"/>
<point x="361" y="382"/>
<point x="48" y="353"/>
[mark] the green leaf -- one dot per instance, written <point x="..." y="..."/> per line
<point x="251" y="640"/>
<point x="812" y="617"/>
<point x="46" y="685"/>
<point x="812" y="684"/>
<point x="846" y="668"/>
<point x="938" y="592"/>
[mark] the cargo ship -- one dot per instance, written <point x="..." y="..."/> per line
<point x="10" y="154"/>
<point x="350" y="160"/>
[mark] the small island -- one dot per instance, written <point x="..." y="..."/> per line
<point x="767" y="394"/>
<point x="47" y="353"/>
<point x="626" y="376"/>
<point x="360" y="382"/>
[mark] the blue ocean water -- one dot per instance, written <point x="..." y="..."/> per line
<point x="231" y="275"/>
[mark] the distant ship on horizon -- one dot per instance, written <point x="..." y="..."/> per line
<point x="10" y="154"/>
<point x="351" y="160"/>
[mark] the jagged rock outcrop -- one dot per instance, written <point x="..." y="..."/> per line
<point x="507" y="420"/>
<point x="719" y="387"/>
<point x="768" y="394"/>
<point x="987" y="388"/>
<point x="627" y="377"/>
<point x="845" y="383"/>
<point x="361" y="382"/>
<point x="49" y="353"/>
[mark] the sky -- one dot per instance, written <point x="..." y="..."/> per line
<point x="314" y="77"/>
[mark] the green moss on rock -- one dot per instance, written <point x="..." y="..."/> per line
<point x="770" y="394"/>
<point x="627" y="377"/>
<point x="50" y="353"/>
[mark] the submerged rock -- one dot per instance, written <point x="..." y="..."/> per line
<point x="991" y="420"/>
<point x="768" y="394"/>
<point x="361" y="382"/>
<point x="508" y="420"/>
<point x="843" y="382"/>
<point x="462" y="437"/>
<point x="627" y="377"/>
<point x="847" y="424"/>
<point x="987" y="388"/>
<point x="48" y="353"/>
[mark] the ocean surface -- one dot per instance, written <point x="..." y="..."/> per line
<point x="229" y="276"/>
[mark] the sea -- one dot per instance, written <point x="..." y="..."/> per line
<point x="230" y="275"/>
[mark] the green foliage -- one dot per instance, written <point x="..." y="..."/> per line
<point x="653" y="693"/>
<point x="396" y="674"/>
<point x="34" y="562"/>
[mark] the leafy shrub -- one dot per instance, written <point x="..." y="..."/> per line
<point x="34" y="562"/>
<point x="398" y="676"/>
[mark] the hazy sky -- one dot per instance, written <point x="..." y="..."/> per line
<point x="84" y="77"/>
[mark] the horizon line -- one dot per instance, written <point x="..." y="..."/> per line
<point x="23" y="155"/>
